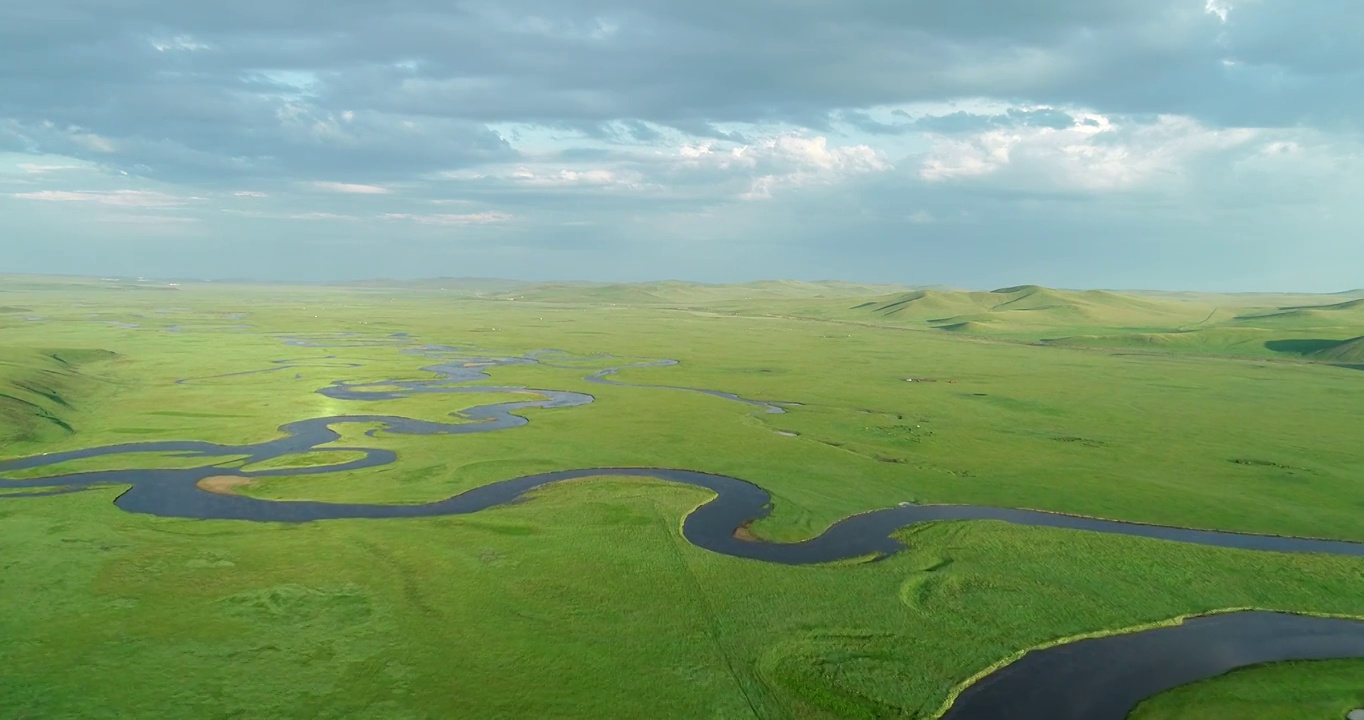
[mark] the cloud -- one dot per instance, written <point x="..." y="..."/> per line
<point x="1095" y="154"/>
<point x="646" y="136"/>
<point x="184" y="43"/>
<point x="483" y="218"/>
<point x="164" y="87"/>
<point x="39" y="169"/>
<point x="1219" y="8"/>
<point x="962" y="121"/>
<point x="562" y="177"/>
<point x="351" y="188"/>
<point x="132" y="219"/>
<point x="791" y="159"/>
<point x="315" y="215"/>
<point x="112" y="198"/>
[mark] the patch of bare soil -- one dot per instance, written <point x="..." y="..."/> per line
<point x="222" y="484"/>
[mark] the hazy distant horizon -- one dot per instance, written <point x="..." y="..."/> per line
<point x="587" y="281"/>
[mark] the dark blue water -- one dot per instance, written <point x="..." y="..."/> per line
<point x="1106" y="678"/>
<point x="173" y="493"/>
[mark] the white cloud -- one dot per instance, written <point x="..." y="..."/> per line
<point x="565" y="177"/>
<point x="815" y="152"/>
<point x="559" y="177"/>
<point x="135" y="219"/>
<point x="249" y="194"/>
<point x="310" y="215"/>
<point x="351" y="188"/>
<point x="446" y="219"/>
<point x="790" y="149"/>
<point x="40" y="169"/>
<point x="112" y="198"/>
<point x="184" y="43"/>
<point x="1097" y="154"/>
<point x="439" y="219"/>
<point x="1219" y="8"/>
<point x="979" y="155"/>
<point x="783" y="160"/>
<point x="321" y="216"/>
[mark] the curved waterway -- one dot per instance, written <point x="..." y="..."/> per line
<point x="1106" y="678"/>
<point x="1093" y="679"/>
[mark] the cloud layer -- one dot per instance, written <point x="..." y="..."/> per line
<point x="1160" y="143"/>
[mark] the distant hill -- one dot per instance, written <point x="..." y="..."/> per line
<point x="461" y="285"/>
<point x="1325" y="327"/>
<point x="39" y="389"/>
<point x="1347" y="351"/>
<point x="1248" y="299"/>
<point x="1263" y="325"/>
<point x="1336" y="315"/>
<point x="1026" y="306"/>
<point x="676" y="292"/>
<point x="663" y="292"/>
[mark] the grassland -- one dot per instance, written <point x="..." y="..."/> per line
<point x="1324" y="690"/>
<point x="1321" y="328"/>
<point x="585" y="601"/>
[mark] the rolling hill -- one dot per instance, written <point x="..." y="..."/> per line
<point x="691" y="294"/>
<point x="40" y="389"/>
<point x="1263" y="325"/>
<point x="1027" y="308"/>
<point x="1347" y="352"/>
<point x="476" y="286"/>
<point x="1337" y="315"/>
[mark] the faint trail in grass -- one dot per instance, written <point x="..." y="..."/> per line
<point x="708" y="609"/>
<point x="1204" y="321"/>
<point x="410" y="590"/>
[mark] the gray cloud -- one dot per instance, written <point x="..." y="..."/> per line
<point x="593" y="122"/>
<point x="962" y="121"/>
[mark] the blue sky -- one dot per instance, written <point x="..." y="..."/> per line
<point x="1191" y="144"/>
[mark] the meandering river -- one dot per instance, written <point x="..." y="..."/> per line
<point x="1092" y="679"/>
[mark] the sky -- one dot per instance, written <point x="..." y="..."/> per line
<point x="1162" y="144"/>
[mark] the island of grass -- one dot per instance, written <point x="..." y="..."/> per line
<point x="1321" y="690"/>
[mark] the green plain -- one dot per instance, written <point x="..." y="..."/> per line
<point x="1214" y="412"/>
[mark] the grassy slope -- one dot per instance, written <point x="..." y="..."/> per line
<point x="1290" y="691"/>
<point x="1261" y="325"/>
<point x="673" y="292"/>
<point x="40" y="390"/>
<point x="582" y="603"/>
<point x="1346" y="351"/>
<point x="590" y="585"/>
<point x="1246" y="324"/>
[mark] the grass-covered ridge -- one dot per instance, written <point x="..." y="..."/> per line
<point x="1323" y="690"/>
<point x="1346" y="351"/>
<point x="41" y="390"/>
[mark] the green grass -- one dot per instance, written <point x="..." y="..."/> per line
<point x="1324" y="690"/>
<point x="1257" y="325"/>
<point x="39" y="390"/>
<point x="1346" y="351"/>
<point x="585" y="601"/>
<point x="305" y="460"/>
<point x="127" y="461"/>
